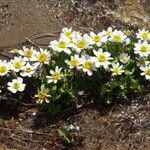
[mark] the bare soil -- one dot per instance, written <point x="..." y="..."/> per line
<point x="29" y="18"/>
<point x="119" y="127"/>
<point x="124" y="126"/>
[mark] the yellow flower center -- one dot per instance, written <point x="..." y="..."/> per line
<point x="16" y="85"/>
<point x="144" y="48"/>
<point x="147" y="71"/>
<point x="145" y="35"/>
<point x="56" y="75"/>
<point x="108" y="33"/>
<point x="3" y="69"/>
<point x="102" y="58"/>
<point x="87" y="64"/>
<point x="17" y="64"/>
<point x="62" y="44"/>
<point x="41" y="95"/>
<point x="81" y="43"/>
<point x="117" y="38"/>
<point x="42" y="58"/>
<point x="142" y="61"/>
<point x="97" y="38"/>
<point x="28" y="69"/>
<point x="14" y="50"/>
<point x="116" y="69"/>
<point x="28" y="53"/>
<point x="68" y="34"/>
<point x="74" y="62"/>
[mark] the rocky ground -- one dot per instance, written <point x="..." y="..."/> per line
<point x="120" y="127"/>
<point x="30" y="18"/>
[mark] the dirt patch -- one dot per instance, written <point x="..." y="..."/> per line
<point x="116" y="130"/>
<point x="135" y="12"/>
<point x="107" y="128"/>
<point x="21" y="19"/>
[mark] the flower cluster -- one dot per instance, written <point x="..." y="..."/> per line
<point x="85" y="50"/>
<point x="142" y="49"/>
<point x="23" y="65"/>
<point x="104" y="58"/>
<point x="77" y="46"/>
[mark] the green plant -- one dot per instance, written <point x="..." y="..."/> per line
<point x="106" y="65"/>
<point x="65" y="135"/>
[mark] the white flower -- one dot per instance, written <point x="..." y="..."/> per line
<point x="67" y="33"/>
<point x="124" y="58"/>
<point x="70" y="35"/>
<point x="55" y="75"/>
<point x="143" y="34"/>
<point x="87" y="65"/>
<point x="42" y="56"/>
<point x="146" y="72"/>
<point x="117" y="36"/>
<point x="75" y="35"/>
<point x="97" y="39"/>
<point x="28" y="54"/>
<point x="142" y="48"/>
<point x="127" y="41"/>
<point x="62" y="44"/>
<point x="82" y="42"/>
<point x="28" y="70"/>
<point x="75" y="61"/>
<point x="16" y="85"/>
<point x="42" y="95"/>
<point x="107" y="32"/>
<point x="142" y="61"/>
<point x="17" y="63"/>
<point x="102" y="58"/>
<point x="117" y="69"/>
<point x="4" y="67"/>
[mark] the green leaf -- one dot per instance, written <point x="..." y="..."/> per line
<point x="140" y="88"/>
<point x="65" y="134"/>
<point x="62" y="90"/>
<point x="54" y="88"/>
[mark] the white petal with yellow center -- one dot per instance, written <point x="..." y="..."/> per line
<point x="142" y="48"/>
<point x="146" y="72"/>
<point x="102" y="58"/>
<point x="17" y="63"/>
<point x="4" y="68"/>
<point x="55" y="75"/>
<point x="16" y="85"/>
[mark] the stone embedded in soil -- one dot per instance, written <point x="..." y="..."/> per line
<point x="135" y="12"/>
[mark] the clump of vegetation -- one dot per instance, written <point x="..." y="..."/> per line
<point x="104" y="65"/>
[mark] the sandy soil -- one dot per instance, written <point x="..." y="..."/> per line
<point x="25" y="18"/>
<point x="28" y="18"/>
